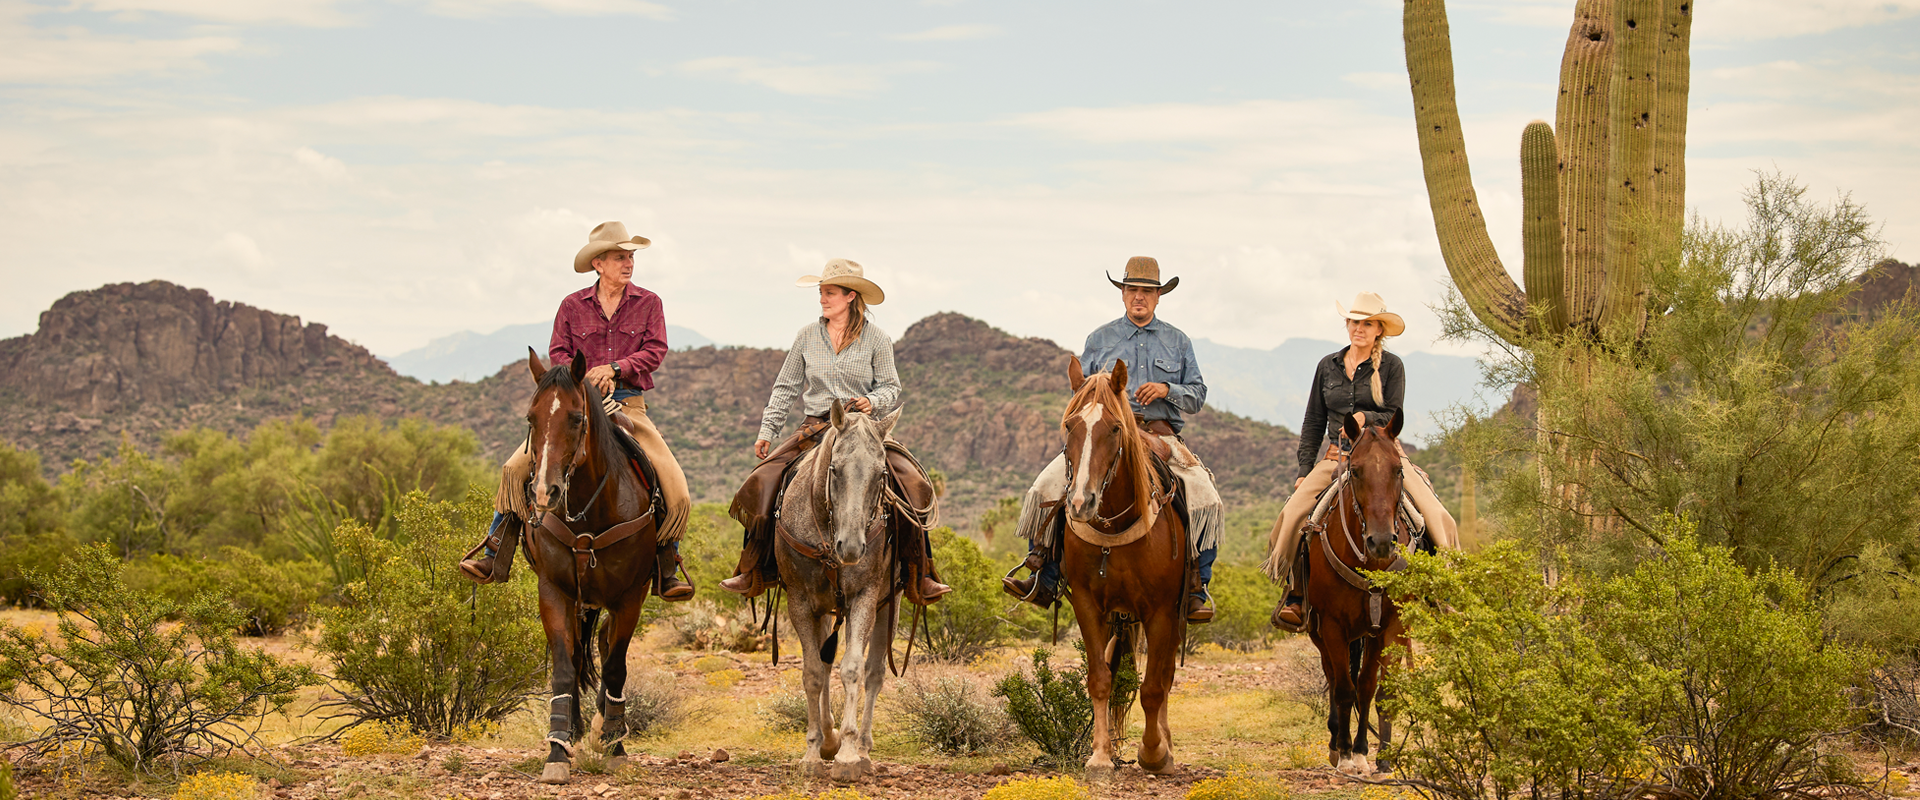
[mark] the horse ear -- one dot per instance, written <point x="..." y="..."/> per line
<point x="1119" y="376"/>
<point x="578" y="367"/>
<point x="535" y="365"/>
<point x="838" y="415"/>
<point x="1352" y="428"/>
<point x="1076" y="374"/>
<point x="886" y="425"/>
<point x="1394" y="425"/>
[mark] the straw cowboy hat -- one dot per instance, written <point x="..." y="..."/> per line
<point x="841" y="272"/>
<point x="1144" y="271"/>
<point x="1366" y="306"/>
<point x="606" y="236"/>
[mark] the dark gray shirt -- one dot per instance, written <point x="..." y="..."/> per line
<point x="1335" y="397"/>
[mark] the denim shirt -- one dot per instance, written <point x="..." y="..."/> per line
<point x="1155" y="353"/>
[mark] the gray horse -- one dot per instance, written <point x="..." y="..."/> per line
<point x="838" y="568"/>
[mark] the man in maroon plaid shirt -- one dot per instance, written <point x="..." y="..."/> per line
<point x="621" y="330"/>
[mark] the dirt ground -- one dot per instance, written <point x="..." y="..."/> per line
<point x="1250" y="712"/>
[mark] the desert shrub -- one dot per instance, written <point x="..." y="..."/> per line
<point x="271" y="597"/>
<point x="414" y="642"/>
<point x="655" y="705"/>
<point x="950" y="714"/>
<point x="1508" y="692"/>
<point x="726" y="678"/>
<point x="32" y="533"/>
<point x="1051" y="709"/>
<point x="114" y="677"/>
<point x="1055" y="788"/>
<point x="710" y="549"/>
<point x="387" y="736"/>
<point x="785" y="712"/>
<point x="706" y="625"/>
<point x="1243" y="600"/>
<point x="969" y="622"/>
<point x="1239" y="785"/>
<point x="7" y="792"/>
<point x="218" y="786"/>
<point x="1754" y="699"/>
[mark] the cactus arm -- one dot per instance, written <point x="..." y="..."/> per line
<point x="1581" y="129"/>
<point x="1540" y="224"/>
<point x="1457" y="220"/>
<point x="1670" y="130"/>
<point x="1630" y="188"/>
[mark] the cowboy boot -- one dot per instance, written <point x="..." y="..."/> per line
<point x="1289" y="615"/>
<point x="749" y="578"/>
<point x="923" y="589"/>
<point x="1200" y="605"/>
<point x="503" y="536"/>
<point x="1038" y="587"/>
<point x="667" y="581"/>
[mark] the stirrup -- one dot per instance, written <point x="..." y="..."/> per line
<point x="1278" y="622"/>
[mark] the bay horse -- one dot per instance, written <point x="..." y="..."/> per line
<point x="1119" y="498"/>
<point x="837" y="561"/>
<point x="591" y="541"/>
<point x="1350" y="620"/>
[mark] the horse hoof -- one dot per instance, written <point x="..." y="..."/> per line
<point x="1163" y="767"/>
<point x="847" y="772"/>
<point x="556" y="772"/>
<point x="1099" y="772"/>
<point x="1333" y="758"/>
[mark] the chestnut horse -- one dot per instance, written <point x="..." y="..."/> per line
<point x="1349" y="619"/>
<point x="1119" y="498"/>
<point x="590" y="540"/>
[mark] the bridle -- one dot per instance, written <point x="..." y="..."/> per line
<point x="566" y="475"/>
<point x="1113" y="469"/>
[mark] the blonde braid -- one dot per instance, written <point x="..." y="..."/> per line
<point x="1379" y="346"/>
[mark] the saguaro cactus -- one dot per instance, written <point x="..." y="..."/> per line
<point x="1604" y="188"/>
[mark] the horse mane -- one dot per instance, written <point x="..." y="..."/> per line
<point x="1098" y="388"/>
<point x="601" y="425"/>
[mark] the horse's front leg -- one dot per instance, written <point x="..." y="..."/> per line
<point x="811" y="626"/>
<point x="1163" y="649"/>
<point x="1096" y="632"/>
<point x="1364" y="689"/>
<point x="613" y="679"/>
<point x="1397" y="643"/>
<point x="879" y="646"/>
<point x="557" y="618"/>
<point x="1335" y="662"/>
<point x="852" y="762"/>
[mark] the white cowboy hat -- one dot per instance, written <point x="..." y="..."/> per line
<point x="841" y="272"/>
<point x="1367" y="305"/>
<point x="606" y="236"/>
<point x="1144" y="271"/>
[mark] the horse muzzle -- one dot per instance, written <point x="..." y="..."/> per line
<point x="850" y="553"/>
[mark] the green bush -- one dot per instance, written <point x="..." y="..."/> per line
<point x="655" y="705"/>
<point x="113" y="676"/>
<point x="7" y="791"/>
<point x="950" y="714"/>
<point x="969" y="622"/>
<point x="271" y="597"/>
<point x="414" y="642"/>
<point x="32" y="534"/>
<point x="1243" y="601"/>
<point x="1051" y="709"/>
<point x="785" y="712"/>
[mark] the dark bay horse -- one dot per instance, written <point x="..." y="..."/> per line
<point x="1349" y="619"/>
<point x="591" y="542"/>
<point x="837" y="563"/>
<point x="1120" y="499"/>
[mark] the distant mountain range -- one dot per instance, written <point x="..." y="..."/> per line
<point x="469" y="356"/>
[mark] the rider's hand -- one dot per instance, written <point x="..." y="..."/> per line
<point x="1149" y="392"/>
<point x="860" y="404"/>
<point x="1297" y="481"/>
<point x="602" y="378"/>
<point x="760" y="449"/>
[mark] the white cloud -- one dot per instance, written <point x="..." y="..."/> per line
<point x="950" y="33"/>
<point x="1379" y="81"/>
<point x="576" y="8"/>
<point x="69" y="55"/>
<point x="241" y="249"/>
<point x="813" y="80"/>
<point x="277" y="12"/>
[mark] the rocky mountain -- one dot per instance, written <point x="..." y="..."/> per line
<point x="470" y="356"/>
<point x="142" y="360"/>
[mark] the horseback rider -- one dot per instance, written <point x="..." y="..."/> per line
<point x="622" y="329"/>
<point x="1367" y="383"/>
<point x="840" y="356"/>
<point x="1163" y="383"/>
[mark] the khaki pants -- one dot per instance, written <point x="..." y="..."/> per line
<point x="511" y="497"/>
<point x="1284" y="540"/>
<point x="1205" y="508"/>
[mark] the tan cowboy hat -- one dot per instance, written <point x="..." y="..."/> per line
<point x="606" y="236"/>
<point x="1144" y="271"/>
<point x="841" y="272"/>
<point x="1367" y="305"/>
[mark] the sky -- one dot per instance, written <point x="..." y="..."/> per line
<point x="405" y="170"/>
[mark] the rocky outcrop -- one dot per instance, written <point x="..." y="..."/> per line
<point x="129" y="344"/>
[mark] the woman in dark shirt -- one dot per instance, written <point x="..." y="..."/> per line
<point x="1365" y="382"/>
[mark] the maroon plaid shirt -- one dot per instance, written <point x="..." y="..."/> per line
<point x="636" y="336"/>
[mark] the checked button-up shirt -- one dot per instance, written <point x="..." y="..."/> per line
<point x="1155" y="353"/>
<point x="636" y="336"/>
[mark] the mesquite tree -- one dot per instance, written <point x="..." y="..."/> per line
<point x="1604" y="188"/>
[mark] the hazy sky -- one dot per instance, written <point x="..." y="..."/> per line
<point x="405" y="170"/>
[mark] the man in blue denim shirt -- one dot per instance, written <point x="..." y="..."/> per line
<point x="1163" y="379"/>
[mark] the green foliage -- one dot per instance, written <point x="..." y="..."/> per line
<point x="950" y="714"/>
<point x="1051" y="709"/>
<point x="785" y="712"/>
<point x="235" y="492"/>
<point x="114" y="677"/>
<point x="1686" y="672"/>
<point x="709" y="550"/>
<point x="271" y="597"/>
<point x="655" y="705"/>
<point x="120" y="501"/>
<point x="1243" y="599"/>
<point x="1059" y="787"/>
<point x="7" y="792"/>
<point x="966" y="624"/>
<point x="32" y="534"/>
<point x="414" y="642"/>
